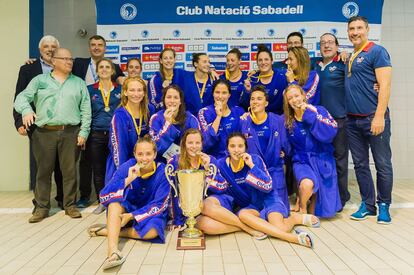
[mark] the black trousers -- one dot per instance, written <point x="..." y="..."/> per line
<point x="95" y="155"/>
<point x="341" y="153"/>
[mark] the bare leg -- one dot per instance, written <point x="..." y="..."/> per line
<point x="312" y="204"/>
<point x="252" y="218"/>
<point x="113" y="226"/>
<point x="215" y="211"/>
<point x="305" y="192"/>
<point x="213" y="227"/>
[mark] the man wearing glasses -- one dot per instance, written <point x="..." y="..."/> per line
<point x="63" y="117"/>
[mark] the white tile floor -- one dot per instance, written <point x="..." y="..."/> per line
<point x="60" y="245"/>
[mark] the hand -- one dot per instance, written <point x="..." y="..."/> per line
<point x="120" y="80"/>
<point x="247" y="85"/>
<point x="247" y="158"/>
<point x="250" y="73"/>
<point x="218" y="107"/>
<point x="30" y="61"/>
<point x="290" y="76"/>
<point x="125" y="218"/>
<point x="214" y="75"/>
<point x="377" y="125"/>
<point x="28" y="120"/>
<point x="282" y="154"/>
<point x="302" y="106"/>
<point x="22" y="131"/>
<point x="344" y="55"/>
<point x="205" y="159"/>
<point x="244" y="116"/>
<point x="376" y="87"/>
<point x="168" y="114"/>
<point x="81" y="142"/>
<point x="133" y="173"/>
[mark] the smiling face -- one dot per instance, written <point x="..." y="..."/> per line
<point x="294" y="41"/>
<point x="236" y="146"/>
<point x="193" y="144"/>
<point x="134" y="68"/>
<point x="221" y="93"/>
<point x="292" y="61"/>
<point x="97" y="48"/>
<point x="258" y="102"/>
<point x="328" y="46"/>
<point x="232" y="62"/>
<point x="167" y="60"/>
<point x="358" y="33"/>
<point x="172" y="99"/>
<point x="264" y="62"/>
<point x="104" y="70"/>
<point x="46" y="50"/>
<point x="62" y="61"/>
<point x="203" y="64"/>
<point x="145" y="154"/>
<point x="135" y="92"/>
<point x="295" y="97"/>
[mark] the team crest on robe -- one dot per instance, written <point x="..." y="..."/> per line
<point x="276" y="133"/>
<point x="360" y="59"/>
<point x="332" y="69"/>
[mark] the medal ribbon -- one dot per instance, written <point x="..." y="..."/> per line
<point x="353" y="56"/>
<point x="137" y="129"/>
<point x="105" y="97"/>
<point x="265" y="75"/>
<point x="254" y="118"/>
<point x="201" y="92"/>
<point x="227" y="74"/>
<point x="239" y="167"/>
<point x="149" y="174"/>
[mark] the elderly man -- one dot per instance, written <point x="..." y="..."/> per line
<point x="27" y="72"/>
<point x="369" y="123"/>
<point x="331" y="70"/>
<point x="62" y="104"/>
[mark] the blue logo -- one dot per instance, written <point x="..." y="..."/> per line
<point x="217" y="47"/>
<point x="179" y="65"/>
<point x="147" y="75"/>
<point x="245" y="57"/>
<point x="350" y="9"/>
<point x="239" y="33"/>
<point x="152" y="48"/>
<point x="302" y="31"/>
<point x="112" y="49"/>
<point x="130" y="48"/>
<point x="128" y="11"/>
<point x="333" y="31"/>
<point x="125" y="57"/>
<point x="312" y="54"/>
<point x="271" y="32"/>
<point x="188" y="56"/>
<point x="219" y="66"/>
<point x="254" y="46"/>
<point x="176" y="33"/>
<point x="144" y="33"/>
<point x="208" y="32"/>
<point x="113" y="34"/>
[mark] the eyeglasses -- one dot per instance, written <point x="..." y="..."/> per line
<point x="66" y="59"/>
<point x="323" y="43"/>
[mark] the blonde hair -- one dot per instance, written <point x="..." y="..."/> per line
<point x="143" y="105"/>
<point x="303" y="68"/>
<point x="287" y="109"/>
<point x="183" y="159"/>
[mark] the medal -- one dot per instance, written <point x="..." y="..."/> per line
<point x="166" y="83"/>
<point x="105" y="96"/>
<point x="107" y="109"/>
<point x="353" y="56"/>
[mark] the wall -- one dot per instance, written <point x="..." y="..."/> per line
<point x="14" y="161"/>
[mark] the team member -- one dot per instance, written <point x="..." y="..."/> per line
<point x="129" y="122"/>
<point x="62" y="104"/>
<point x="266" y="137"/>
<point x="235" y="76"/>
<point x="311" y="130"/>
<point x="294" y="39"/>
<point x="273" y="81"/>
<point x="47" y="45"/>
<point x="167" y="126"/>
<point x="198" y="85"/>
<point x="191" y="157"/>
<point x="219" y="120"/>
<point x="299" y="73"/>
<point x="138" y="194"/>
<point x="105" y="97"/>
<point x="166" y="76"/>
<point x="134" y="67"/>
<point x="331" y="71"/>
<point x="252" y="195"/>
<point x="369" y="119"/>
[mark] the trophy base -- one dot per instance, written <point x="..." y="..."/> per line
<point x="184" y="243"/>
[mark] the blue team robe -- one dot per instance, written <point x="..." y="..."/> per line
<point x="193" y="100"/>
<point x="236" y="92"/>
<point x="313" y="158"/>
<point x="147" y="199"/>
<point x="217" y="186"/>
<point x="215" y="144"/>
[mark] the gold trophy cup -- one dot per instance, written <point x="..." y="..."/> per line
<point x="191" y="189"/>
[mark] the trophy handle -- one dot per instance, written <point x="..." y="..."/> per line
<point x="169" y="174"/>
<point x="212" y="171"/>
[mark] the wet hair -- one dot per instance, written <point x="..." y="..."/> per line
<point x="221" y="82"/>
<point x="97" y="37"/>
<point x="183" y="159"/>
<point x="358" y="18"/>
<point x="262" y="48"/>
<point x="331" y="34"/>
<point x="288" y="111"/>
<point x="196" y="57"/>
<point x="143" y="105"/>
<point x="181" y="115"/>
<point x="160" y="57"/>
<point x="147" y="138"/>
<point x="109" y="61"/>
<point x="235" y="51"/>
<point x="236" y="134"/>
<point x="298" y="34"/>
<point x="260" y="88"/>
<point x="303" y="68"/>
<point x="49" y="38"/>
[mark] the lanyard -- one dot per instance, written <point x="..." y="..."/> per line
<point x="137" y="129"/>
<point x="93" y="72"/>
<point x="353" y="56"/>
<point x="203" y="89"/>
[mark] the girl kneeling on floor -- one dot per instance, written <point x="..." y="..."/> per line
<point x="137" y="195"/>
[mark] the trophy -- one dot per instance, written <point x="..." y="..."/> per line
<point x="191" y="189"/>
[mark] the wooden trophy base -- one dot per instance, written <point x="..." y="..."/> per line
<point x="184" y="243"/>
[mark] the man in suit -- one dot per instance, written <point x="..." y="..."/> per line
<point x="47" y="45"/>
<point x="85" y="68"/>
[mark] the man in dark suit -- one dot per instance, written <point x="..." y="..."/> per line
<point x="85" y="68"/>
<point x="27" y="72"/>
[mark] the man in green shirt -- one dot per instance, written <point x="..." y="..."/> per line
<point x="62" y="104"/>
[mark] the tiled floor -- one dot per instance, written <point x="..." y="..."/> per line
<point x="60" y="245"/>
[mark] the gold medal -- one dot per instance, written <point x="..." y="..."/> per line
<point x="107" y="109"/>
<point x="166" y="83"/>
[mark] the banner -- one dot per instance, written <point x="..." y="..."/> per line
<point x="143" y="28"/>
